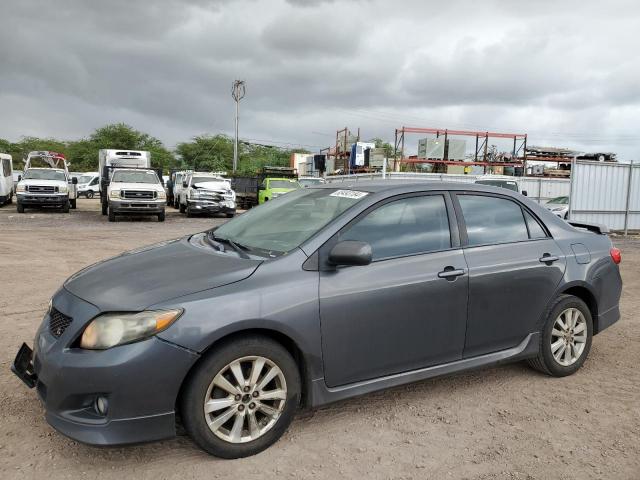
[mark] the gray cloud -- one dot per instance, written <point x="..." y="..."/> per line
<point x="565" y="72"/>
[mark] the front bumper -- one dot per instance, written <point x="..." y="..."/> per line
<point x="138" y="206"/>
<point x="140" y="381"/>
<point x="206" y="206"/>
<point x="53" y="200"/>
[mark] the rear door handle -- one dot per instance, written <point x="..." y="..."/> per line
<point x="548" y="258"/>
<point x="450" y="273"/>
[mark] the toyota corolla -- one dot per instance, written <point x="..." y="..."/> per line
<point x="320" y="295"/>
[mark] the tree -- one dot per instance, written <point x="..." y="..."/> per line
<point x="206" y="152"/>
<point x="20" y="149"/>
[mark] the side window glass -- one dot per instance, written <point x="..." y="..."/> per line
<point x="535" y="229"/>
<point x="404" y="227"/>
<point x="492" y="220"/>
<point x="94" y="181"/>
<point x="6" y="170"/>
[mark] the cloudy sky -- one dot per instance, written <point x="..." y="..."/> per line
<point x="565" y="72"/>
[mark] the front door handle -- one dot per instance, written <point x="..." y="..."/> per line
<point x="450" y="273"/>
<point x="546" y="258"/>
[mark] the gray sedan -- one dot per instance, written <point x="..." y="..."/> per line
<point x="323" y="294"/>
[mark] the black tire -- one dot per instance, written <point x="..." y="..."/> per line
<point x="112" y="215"/>
<point x="89" y="194"/>
<point x="104" y="208"/>
<point x="73" y="203"/>
<point x="230" y="215"/>
<point x="161" y="216"/>
<point x="545" y="361"/>
<point x="65" y="207"/>
<point x="176" y="205"/>
<point x="195" y="389"/>
<point x="20" y="207"/>
<point x="189" y="212"/>
<point x="183" y="208"/>
<point x="10" y="201"/>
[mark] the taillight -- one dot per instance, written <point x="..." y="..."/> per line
<point x="616" y="255"/>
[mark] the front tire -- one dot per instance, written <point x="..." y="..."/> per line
<point x="20" y="207"/>
<point x="89" y="194"/>
<point x="566" y="338"/>
<point x="104" y="208"/>
<point x="65" y="207"/>
<point x="161" y="216"/>
<point x="112" y="215"/>
<point x="241" y="397"/>
<point x="183" y="208"/>
<point x="73" y="203"/>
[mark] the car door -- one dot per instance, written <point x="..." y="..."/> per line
<point x="407" y="309"/>
<point x="514" y="269"/>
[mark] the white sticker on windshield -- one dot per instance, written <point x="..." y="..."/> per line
<point x="349" y="194"/>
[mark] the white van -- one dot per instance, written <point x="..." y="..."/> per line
<point x="6" y="179"/>
<point x="88" y="184"/>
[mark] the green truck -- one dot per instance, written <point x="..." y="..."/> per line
<point x="264" y="186"/>
<point x="271" y="188"/>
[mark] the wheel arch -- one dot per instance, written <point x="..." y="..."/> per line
<point x="584" y="293"/>
<point x="283" y="339"/>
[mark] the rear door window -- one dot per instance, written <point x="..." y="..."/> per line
<point x="492" y="220"/>
<point x="408" y="226"/>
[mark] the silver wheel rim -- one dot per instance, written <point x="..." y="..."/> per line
<point x="568" y="337"/>
<point x="245" y="399"/>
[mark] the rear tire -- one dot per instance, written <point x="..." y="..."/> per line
<point x="564" y="350"/>
<point x="112" y="215"/>
<point x="89" y="194"/>
<point x="264" y="421"/>
<point x="10" y="201"/>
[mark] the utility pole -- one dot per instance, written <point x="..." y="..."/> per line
<point x="237" y="93"/>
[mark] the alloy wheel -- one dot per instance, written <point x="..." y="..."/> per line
<point x="568" y="337"/>
<point x="245" y="399"/>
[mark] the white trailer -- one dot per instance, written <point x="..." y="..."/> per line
<point x="6" y="179"/>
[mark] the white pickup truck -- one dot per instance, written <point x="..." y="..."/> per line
<point x="134" y="191"/>
<point x="49" y="186"/>
<point x="206" y="193"/>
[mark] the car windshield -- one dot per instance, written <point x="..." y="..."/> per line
<point x="123" y="176"/>
<point x="559" y="200"/>
<point x="85" y="179"/>
<point x="195" y="180"/>
<point x="309" y="181"/>
<point x="290" y="184"/>
<point x="44" y="174"/>
<point x="281" y="225"/>
<point x="499" y="183"/>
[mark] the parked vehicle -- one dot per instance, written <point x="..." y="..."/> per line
<point x="49" y="186"/>
<point x="495" y="182"/>
<point x="310" y="181"/>
<point x="135" y="191"/>
<point x="6" y="179"/>
<point x="559" y="206"/>
<point x="88" y="184"/>
<point x="247" y="188"/>
<point x="271" y="188"/>
<point x="176" y="181"/>
<point x="327" y="293"/>
<point x="109" y="159"/>
<point x="204" y="192"/>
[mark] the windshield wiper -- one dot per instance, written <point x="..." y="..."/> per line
<point x="239" y="248"/>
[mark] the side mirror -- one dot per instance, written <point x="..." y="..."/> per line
<point x="74" y="180"/>
<point x="184" y="184"/>
<point x="350" y="252"/>
<point x="524" y="192"/>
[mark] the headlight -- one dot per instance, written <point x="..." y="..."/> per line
<point x="63" y="189"/>
<point x="20" y="188"/>
<point x="114" y="194"/>
<point x="194" y="194"/>
<point x="111" y="329"/>
<point x="162" y="195"/>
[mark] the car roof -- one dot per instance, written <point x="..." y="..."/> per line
<point x="408" y="186"/>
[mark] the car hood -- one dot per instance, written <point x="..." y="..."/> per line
<point x="214" y="186"/>
<point x="140" y="278"/>
<point x="35" y="181"/>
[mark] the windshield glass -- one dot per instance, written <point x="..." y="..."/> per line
<point x="290" y="184"/>
<point x="559" y="200"/>
<point x="44" y="174"/>
<point x="195" y="180"/>
<point x="284" y="224"/>
<point x="85" y="179"/>
<point x="124" y="176"/>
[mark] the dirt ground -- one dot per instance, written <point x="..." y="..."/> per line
<point x="505" y="422"/>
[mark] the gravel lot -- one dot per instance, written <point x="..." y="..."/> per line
<point x="505" y="422"/>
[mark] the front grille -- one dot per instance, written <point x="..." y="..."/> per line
<point x="58" y="322"/>
<point x="211" y="196"/>
<point x="41" y="188"/>
<point x="138" y="194"/>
